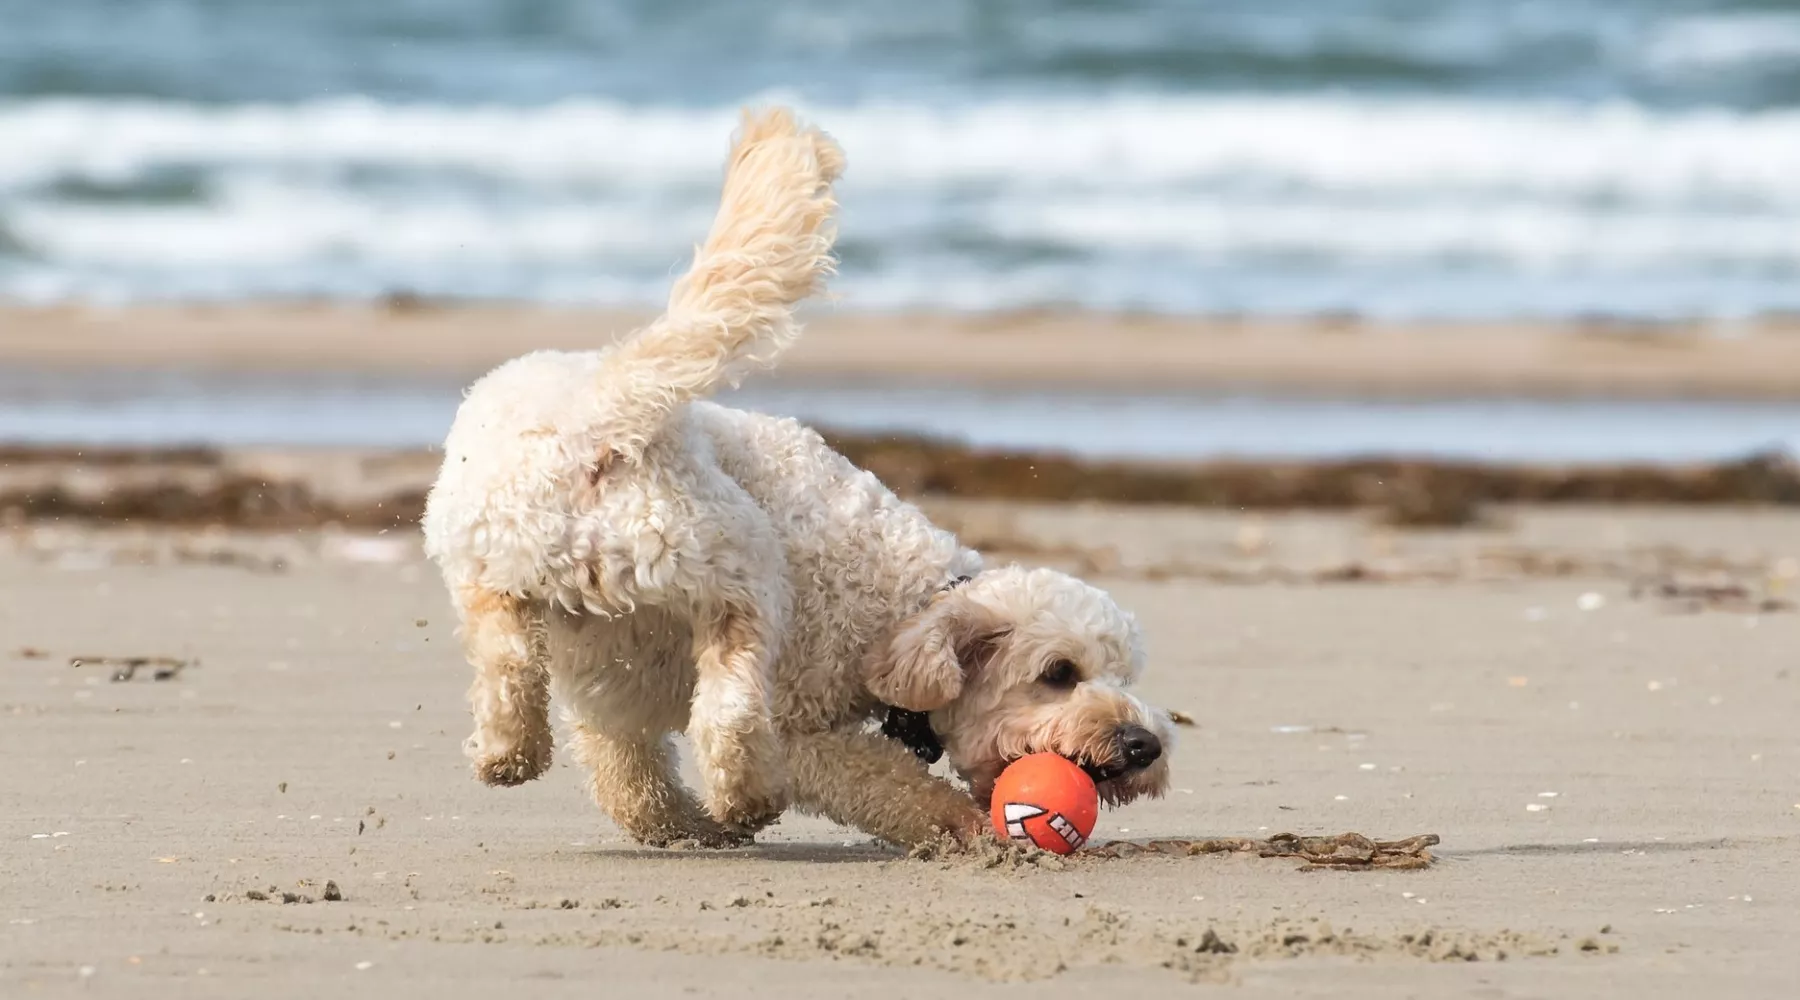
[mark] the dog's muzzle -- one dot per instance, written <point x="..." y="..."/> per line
<point x="1135" y="749"/>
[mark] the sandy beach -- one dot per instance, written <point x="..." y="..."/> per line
<point x="1610" y="767"/>
<point x="1589" y="703"/>
<point x="1752" y="360"/>
<point x="1425" y="377"/>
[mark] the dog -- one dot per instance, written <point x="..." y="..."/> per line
<point x="663" y="563"/>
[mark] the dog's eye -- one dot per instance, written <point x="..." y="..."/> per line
<point x="1060" y="674"/>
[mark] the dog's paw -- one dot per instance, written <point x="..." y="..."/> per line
<point x="746" y="784"/>
<point x="505" y="770"/>
<point x="745" y="817"/>
<point x="696" y="833"/>
<point x="945" y="843"/>
<point x="716" y="839"/>
<point x="746" y="806"/>
<point x="955" y="826"/>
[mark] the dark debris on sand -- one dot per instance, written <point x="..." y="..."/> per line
<point x="1343" y="852"/>
<point x="272" y="490"/>
<point x="1339" y="852"/>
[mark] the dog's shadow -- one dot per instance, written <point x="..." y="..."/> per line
<point x="811" y="853"/>
<point x="1604" y="847"/>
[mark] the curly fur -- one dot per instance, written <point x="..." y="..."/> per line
<point x="662" y="563"/>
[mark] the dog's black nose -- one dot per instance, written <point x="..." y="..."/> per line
<point x="1140" y="745"/>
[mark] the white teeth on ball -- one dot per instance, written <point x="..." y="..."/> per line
<point x="1066" y="830"/>
<point x="1016" y="815"/>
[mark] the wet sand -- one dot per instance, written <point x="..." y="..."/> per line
<point x="1753" y="360"/>
<point x="1613" y="779"/>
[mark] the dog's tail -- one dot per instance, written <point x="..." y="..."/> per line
<point x="769" y="249"/>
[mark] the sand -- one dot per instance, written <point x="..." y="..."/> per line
<point x="1733" y="361"/>
<point x="1613" y="778"/>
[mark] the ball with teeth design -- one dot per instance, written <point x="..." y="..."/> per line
<point x="1046" y="800"/>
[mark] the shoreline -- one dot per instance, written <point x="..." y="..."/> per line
<point x="1702" y="361"/>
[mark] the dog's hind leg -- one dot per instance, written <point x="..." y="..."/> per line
<point x="625" y="688"/>
<point x="679" y="542"/>
<point x="876" y="785"/>
<point x="504" y="641"/>
<point x="735" y="746"/>
<point x="632" y="777"/>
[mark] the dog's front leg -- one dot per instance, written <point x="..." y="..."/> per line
<point x="510" y="698"/>
<point x="872" y="783"/>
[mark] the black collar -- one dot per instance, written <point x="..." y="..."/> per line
<point x="914" y="728"/>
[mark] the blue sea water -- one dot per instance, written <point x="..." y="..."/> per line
<point x="1388" y="158"/>
<point x="307" y="410"/>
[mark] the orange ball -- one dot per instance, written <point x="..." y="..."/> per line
<point x="1047" y="800"/>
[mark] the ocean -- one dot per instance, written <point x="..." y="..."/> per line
<point x="136" y="408"/>
<point x="1626" y="159"/>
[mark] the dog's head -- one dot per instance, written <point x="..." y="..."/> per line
<point x="1021" y="661"/>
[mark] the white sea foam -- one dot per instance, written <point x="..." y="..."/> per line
<point x="1335" y="143"/>
<point x="1513" y="233"/>
<point x="1163" y="202"/>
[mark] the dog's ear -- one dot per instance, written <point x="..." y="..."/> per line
<point x="922" y="665"/>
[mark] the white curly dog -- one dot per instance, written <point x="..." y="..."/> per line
<point x="668" y="564"/>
